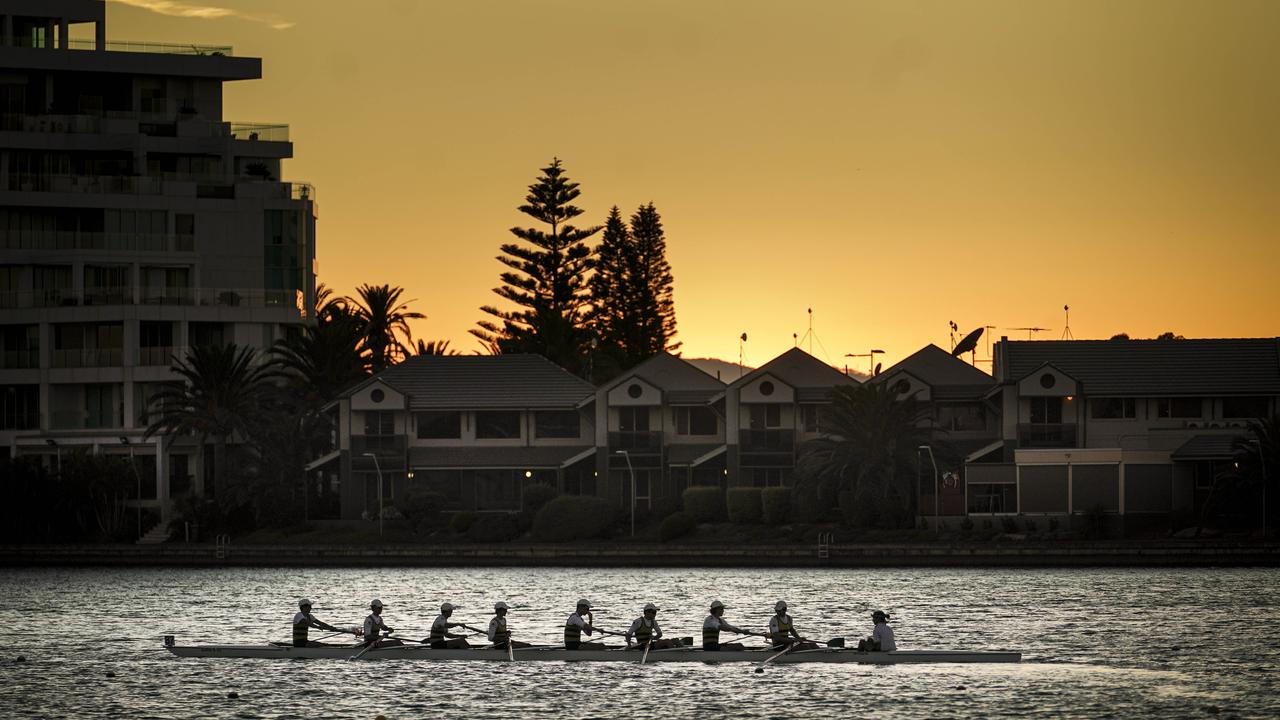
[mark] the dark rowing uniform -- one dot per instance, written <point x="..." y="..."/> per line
<point x="304" y="621"/>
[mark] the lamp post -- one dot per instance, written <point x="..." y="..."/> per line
<point x="632" y="472"/>
<point x="1262" y="460"/>
<point x="871" y="363"/>
<point x="377" y="466"/>
<point x="58" y="452"/>
<point x="136" y="476"/>
<point x="935" y="484"/>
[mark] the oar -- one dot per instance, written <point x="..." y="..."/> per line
<point x="832" y="643"/>
<point x="646" y="650"/>
<point x="367" y="648"/>
<point x="511" y="652"/>
<point x="760" y="667"/>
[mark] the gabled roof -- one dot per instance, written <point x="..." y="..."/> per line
<point x="1207" y="447"/>
<point x="483" y="381"/>
<point x="1145" y="368"/>
<point x="811" y="378"/>
<point x="681" y="381"/>
<point x="948" y="376"/>
<point x="520" y="457"/>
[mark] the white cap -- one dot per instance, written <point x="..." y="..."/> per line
<point x="303" y="602"/>
<point x="446" y="607"/>
<point x="376" y="603"/>
<point x="782" y="605"/>
<point x="651" y="606"/>
<point x="716" y="604"/>
<point x="584" y="603"/>
<point x="500" y="606"/>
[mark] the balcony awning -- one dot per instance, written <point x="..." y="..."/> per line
<point x="1207" y="447"/>
<point x="517" y="458"/>
<point x="324" y="460"/>
<point x="693" y="455"/>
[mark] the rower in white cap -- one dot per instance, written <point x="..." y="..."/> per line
<point x="577" y="624"/>
<point x="712" y="626"/>
<point x="782" y="630"/>
<point x="440" y="637"/>
<point x="645" y="629"/>
<point x="374" y="626"/>
<point x="499" y="633"/>
<point x="304" y="620"/>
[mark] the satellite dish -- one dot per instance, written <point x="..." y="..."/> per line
<point x="877" y="370"/>
<point x="968" y="344"/>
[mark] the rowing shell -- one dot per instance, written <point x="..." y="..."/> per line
<point x="419" y="652"/>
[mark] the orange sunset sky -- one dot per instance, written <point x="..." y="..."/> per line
<point x="892" y="165"/>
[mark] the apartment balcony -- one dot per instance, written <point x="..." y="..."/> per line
<point x="170" y="184"/>
<point x="160" y="355"/>
<point x="637" y="441"/>
<point x="51" y="240"/>
<point x="380" y="445"/>
<point x="20" y="420"/>
<point x="291" y="300"/>
<point x="152" y="47"/>
<point x="87" y="357"/>
<point x="1046" y="435"/>
<point x="85" y="420"/>
<point x="143" y="123"/>
<point x="767" y="441"/>
<point x="108" y="296"/>
<point x="24" y="359"/>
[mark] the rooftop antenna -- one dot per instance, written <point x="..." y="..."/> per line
<point x="794" y="341"/>
<point x="811" y="336"/>
<point x="742" y="340"/>
<point x="988" y="327"/>
<point x="954" y="329"/>
<point x="1032" y="330"/>
<point x="1066" y="333"/>
<point x="968" y="344"/>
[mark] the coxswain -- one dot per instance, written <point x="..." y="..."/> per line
<point x="577" y="624"/>
<point x="645" y="629"/>
<point x="304" y="620"/>
<point x="374" y="627"/>
<point x="440" y="637"/>
<point x="781" y="630"/>
<point x="712" y="626"/>
<point x="499" y="633"/>
<point x="881" y="639"/>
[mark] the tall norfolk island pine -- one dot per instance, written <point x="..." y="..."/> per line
<point x="546" y="279"/>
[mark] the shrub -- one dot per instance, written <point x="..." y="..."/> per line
<point x="775" y="505"/>
<point x="422" y="508"/>
<point x="705" y="504"/>
<point x="966" y="525"/>
<point x="537" y="495"/>
<point x="856" y="514"/>
<point x="743" y="504"/>
<point x="461" y="522"/>
<point x="573" y="517"/>
<point x="1053" y="524"/>
<point x="1030" y="525"/>
<point x="493" y="528"/>
<point x="1008" y="525"/>
<point x="676" y="525"/>
<point x="1095" y="522"/>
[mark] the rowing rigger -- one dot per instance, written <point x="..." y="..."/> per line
<point x="681" y="654"/>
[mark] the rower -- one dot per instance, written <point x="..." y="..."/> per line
<point x="577" y="624"/>
<point x="881" y="639"/>
<point x="499" y="633"/>
<point x="781" y="630"/>
<point x="440" y="637"/>
<point x="712" y="626"/>
<point x="304" y="620"/>
<point x="645" y="628"/>
<point x="374" y="626"/>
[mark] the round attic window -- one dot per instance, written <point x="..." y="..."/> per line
<point x="902" y="387"/>
<point x="1047" y="381"/>
<point x="766" y="388"/>
<point x="634" y="390"/>
<point x="377" y="395"/>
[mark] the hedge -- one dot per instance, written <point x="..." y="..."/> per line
<point x="573" y="517"/>
<point x="676" y="525"/>
<point x="775" y="505"/>
<point x="493" y="528"/>
<point x="421" y="508"/>
<point x="537" y="495"/>
<point x="744" y="505"/>
<point x="705" y="504"/>
<point x="461" y="522"/>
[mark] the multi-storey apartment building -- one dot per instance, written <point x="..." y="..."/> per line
<point x="1134" y="427"/>
<point x="135" y="222"/>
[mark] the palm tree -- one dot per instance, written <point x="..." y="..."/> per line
<point x="868" y="456"/>
<point x="384" y="321"/>
<point x="435" y="347"/>
<point x="327" y="356"/>
<point x="221" y="391"/>
<point x="1257" y="461"/>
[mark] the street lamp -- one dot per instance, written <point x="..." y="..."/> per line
<point x="935" y="484"/>
<point x="58" y="451"/>
<point x="632" y="472"/>
<point x="377" y="466"/>
<point x="136" y="476"/>
<point x="1262" y="460"/>
<point x="871" y="363"/>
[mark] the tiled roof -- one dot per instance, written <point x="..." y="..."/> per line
<point x="800" y="370"/>
<point x="1145" y="368"/>
<point x="680" y="381"/>
<point x="485" y="381"/>
<point x="948" y="376"/>
<point x="1207" y="447"/>
<point x="520" y="457"/>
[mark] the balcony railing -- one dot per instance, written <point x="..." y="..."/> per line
<point x="160" y="355"/>
<point x="108" y="295"/>
<point x="37" y="298"/>
<point x="87" y="357"/>
<point x="69" y="240"/>
<point x="259" y="131"/>
<point x="638" y="440"/>
<point x="24" y="359"/>
<point x="148" y="123"/>
<point x="20" y="420"/>
<point x="84" y="420"/>
<point x="151" y="47"/>
<point x="214" y="187"/>
<point x="767" y="440"/>
<point x="380" y="445"/>
<point x="198" y="297"/>
<point x="1046" y="435"/>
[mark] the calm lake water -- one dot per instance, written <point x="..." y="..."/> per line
<point x="1096" y="643"/>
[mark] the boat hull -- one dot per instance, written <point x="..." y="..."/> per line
<point x="419" y="652"/>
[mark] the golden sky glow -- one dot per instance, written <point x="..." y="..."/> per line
<point x="893" y="165"/>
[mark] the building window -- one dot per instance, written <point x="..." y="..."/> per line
<point x="1245" y="407"/>
<point x="768" y="415"/>
<point x="696" y="420"/>
<point x="961" y="418"/>
<point x="208" y="334"/>
<point x="379" y="422"/>
<point x="439" y="425"/>
<point x="497" y="490"/>
<point x="103" y="405"/>
<point x="108" y="285"/>
<point x="767" y="477"/>
<point x="498" y="424"/>
<point x="633" y="419"/>
<point x="1179" y="408"/>
<point x="19" y="407"/>
<point x="1046" y="410"/>
<point x="993" y="498"/>
<point x="634" y="391"/>
<point x="557" y="424"/>
<point x="1113" y="408"/>
<point x="766" y="388"/>
<point x="448" y="483"/>
<point x="20" y="347"/>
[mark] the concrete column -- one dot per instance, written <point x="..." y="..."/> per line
<point x="49" y="42"/>
<point x="162" y="481"/>
<point x="64" y="34"/>
<point x="7" y="39"/>
<point x="100" y="34"/>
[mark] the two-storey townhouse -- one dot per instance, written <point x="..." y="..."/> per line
<point x="1139" y="428"/>
<point x="962" y="419"/>
<point x="477" y="429"/>
<point x="135" y="223"/>
<point x="772" y="411"/>
<point x="656" y="425"/>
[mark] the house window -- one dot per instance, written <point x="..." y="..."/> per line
<point x="993" y="498"/>
<point x="1179" y="408"/>
<point x="1046" y="410"/>
<point x="767" y="477"/>
<point x="811" y="417"/>
<point x="633" y="419"/>
<point x="961" y="418"/>
<point x="498" y="424"/>
<point x="439" y="425"/>
<point x="768" y="415"/>
<point x="695" y="421"/>
<point x="557" y="424"/>
<point x="496" y="490"/>
<point x="448" y="483"/>
<point x="1113" y="408"/>
<point x="1244" y="407"/>
<point x="379" y="422"/>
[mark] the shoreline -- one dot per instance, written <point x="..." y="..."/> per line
<point x="844" y="555"/>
